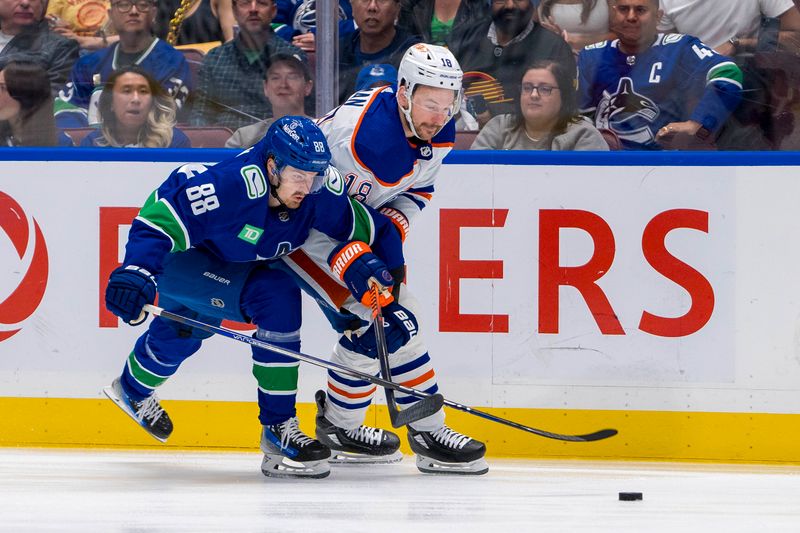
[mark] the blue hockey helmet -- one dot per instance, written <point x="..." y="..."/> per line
<point x="298" y="142"/>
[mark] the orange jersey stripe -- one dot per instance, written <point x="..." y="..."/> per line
<point x="346" y="394"/>
<point x="335" y="292"/>
<point x="421" y="379"/>
<point x="355" y="132"/>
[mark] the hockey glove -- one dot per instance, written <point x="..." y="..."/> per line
<point x="400" y="326"/>
<point x="355" y="264"/>
<point x="129" y="288"/>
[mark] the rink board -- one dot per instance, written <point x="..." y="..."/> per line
<point x="655" y="293"/>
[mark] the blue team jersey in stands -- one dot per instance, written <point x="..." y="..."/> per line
<point x="677" y="78"/>
<point x="75" y="105"/>
<point x="224" y="210"/>
<point x="95" y="138"/>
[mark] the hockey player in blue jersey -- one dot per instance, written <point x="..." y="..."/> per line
<point x="389" y="144"/>
<point x="654" y="89"/>
<point x="206" y="239"/>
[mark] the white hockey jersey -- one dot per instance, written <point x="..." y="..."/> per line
<point x="381" y="167"/>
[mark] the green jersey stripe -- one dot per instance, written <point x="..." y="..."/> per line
<point x="162" y="216"/>
<point x="728" y="70"/>
<point x="273" y="380"/>
<point x="363" y="225"/>
<point x="142" y="375"/>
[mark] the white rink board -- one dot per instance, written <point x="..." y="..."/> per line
<point x="743" y="358"/>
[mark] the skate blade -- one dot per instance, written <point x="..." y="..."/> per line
<point x="112" y="395"/>
<point x="278" y="466"/>
<point x="426" y="465"/>
<point x="349" y="458"/>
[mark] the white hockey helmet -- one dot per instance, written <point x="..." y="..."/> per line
<point x="433" y="66"/>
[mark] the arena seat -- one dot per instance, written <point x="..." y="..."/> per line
<point x="195" y="58"/>
<point x="464" y="139"/>
<point x="207" y="136"/>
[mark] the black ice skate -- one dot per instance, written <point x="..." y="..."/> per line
<point x="288" y="452"/>
<point x="148" y="413"/>
<point x="361" y="445"/>
<point x="445" y="451"/>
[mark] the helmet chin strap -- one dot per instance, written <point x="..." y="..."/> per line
<point x="273" y="189"/>
<point x="407" y="114"/>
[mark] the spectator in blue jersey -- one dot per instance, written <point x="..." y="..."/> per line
<point x="76" y="105"/>
<point x="207" y="241"/>
<point x="547" y="117"/>
<point x="494" y="53"/>
<point x="377" y="40"/>
<point x="25" y="36"/>
<point x="230" y="89"/>
<point x="136" y="112"/>
<point x="26" y="107"/>
<point x="655" y="90"/>
<point x="434" y="20"/>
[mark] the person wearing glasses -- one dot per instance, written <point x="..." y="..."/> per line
<point x="494" y="53"/>
<point x="546" y="118"/>
<point x="77" y="103"/>
<point x="230" y="86"/>
<point x="377" y="40"/>
<point x="25" y="36"/>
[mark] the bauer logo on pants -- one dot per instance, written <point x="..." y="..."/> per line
<point x="28" y="283"/>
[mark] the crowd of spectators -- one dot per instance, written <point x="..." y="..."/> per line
<point x="538" y="74"/>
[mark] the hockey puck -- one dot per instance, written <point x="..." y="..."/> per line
<point x="630" y="496"/>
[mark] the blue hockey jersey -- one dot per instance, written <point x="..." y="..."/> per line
<point x="223" y="209"/>
<point x="76" y="103"/>
<point x="678" y="78"/>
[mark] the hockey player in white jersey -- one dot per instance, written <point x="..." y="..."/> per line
<point x="389" y="144"/>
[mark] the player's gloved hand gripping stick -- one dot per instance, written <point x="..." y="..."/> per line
<point x="157" y="311"/>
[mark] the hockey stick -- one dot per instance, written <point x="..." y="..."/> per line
<point x="157" y="311"/>
<point x="424" y="407"/>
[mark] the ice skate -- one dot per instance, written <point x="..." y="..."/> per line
<point x="148" y="413"/>
<point x="361" y="445"/>
<point x="445" y="451"/>
<point x="290" y="453"/>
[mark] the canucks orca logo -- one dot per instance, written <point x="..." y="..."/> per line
<point x="628" y="113"/>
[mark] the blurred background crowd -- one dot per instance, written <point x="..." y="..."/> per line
<point x="538" y="74"/>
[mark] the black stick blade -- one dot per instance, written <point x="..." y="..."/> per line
<point x="599" y="435"/>
<point x="416" y="411"/>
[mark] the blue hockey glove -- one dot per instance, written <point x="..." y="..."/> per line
<point x="400" y="326"/>
<point x="129" y="288"/>
<point x="355" y="264"/>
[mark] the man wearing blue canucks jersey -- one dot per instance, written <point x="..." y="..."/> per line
<point x="208" y="236"/>
<point x="76" y="104"/>
<point x="655" y="89"/>
<point x="389" y="145"/>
